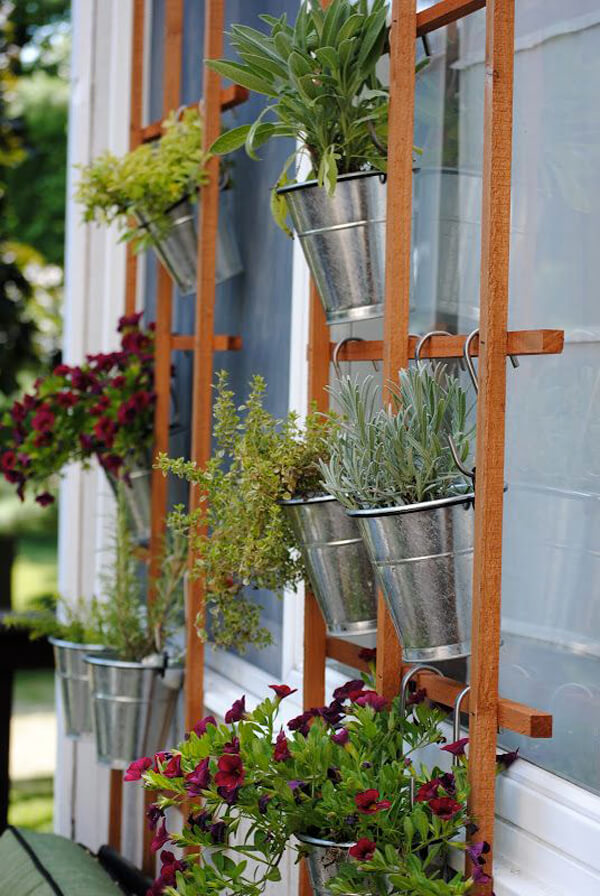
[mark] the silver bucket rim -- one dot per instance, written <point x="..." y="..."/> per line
<point x="468" y="498"/>
<point x="112" y="661"/>
<point x="328" y="844"/>
<point x="290" y="188"/>
<point x="316" y="499"/>
<point x="75" y="645"/>
<point x="144" y="223"/>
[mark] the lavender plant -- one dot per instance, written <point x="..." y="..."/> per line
<point x="400" y="454"/>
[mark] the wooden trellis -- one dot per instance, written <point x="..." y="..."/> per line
<point x="487" y="711"/>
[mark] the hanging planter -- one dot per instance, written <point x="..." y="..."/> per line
<point x="343" y="240"/>
<point x="324" y="860"/>
<point x="400" y="473"/>
<point x="423" y="558"/>
<point x="337" y="563"/>
<point x="74" y="681"/>
<point x="133" y="706"/>
<point x="177" y="245"/>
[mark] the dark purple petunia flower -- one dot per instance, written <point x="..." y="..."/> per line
<point x="281" y="750"/>
<point x="334" y="774"/>
<point x="218" y="832"/>
<point x="229" y="795"/>
<point x="368" y="802"/>
<point x="231" y="772"/>
<point x="416" y="697"/>
<point x="368" y="654"/>
<point x="199" y="779"/>
<point x="233" y="746"/>
<point x="282" y="690"/>
<point x="137" y="769"/>
<point x="350" y="688"/>
<point x="45" y="499"/>
<point x="161" y="837"/>
<point x="154" y="815"/>
<point x="457" y="748"/>
<point x="199" y="820"/>
<point x="302" y="722"/>
<point x="263" y="802"/>
<point x="173" y="767"/>
<point x="363" y="850"/>
<point x="444" y="807"/>
<point x="341" y="737"/>
<point x="237" y="711"/>
<point x="372" y="699"/>
<point x="332" y="714"/>
<point x="505" y="760"/>
<point x="200" y="727"/>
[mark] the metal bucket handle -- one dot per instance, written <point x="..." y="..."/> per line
<point x="406" y="679"/>
<point x="336" y="352"/>
<point x="456" y="724"/>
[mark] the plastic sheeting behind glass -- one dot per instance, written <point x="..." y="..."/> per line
<point x="551" y="575"/>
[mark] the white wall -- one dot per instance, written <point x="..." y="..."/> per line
<point x="94" y="299"/>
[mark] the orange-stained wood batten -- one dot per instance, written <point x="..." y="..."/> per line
<point x="115" y="808"/>
<point x="231" y="97"/>
<point x="214" y="20"/>
<point x="397" y="264"/>
<point x="518" y="342"/>
<point x="444" y="13"/>
<point x="221" y="342"/>
<point x="173" y="38"/>
<point x="490" y="449"/>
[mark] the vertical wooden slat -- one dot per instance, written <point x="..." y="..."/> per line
<point x="397" y="276"/>
<point x="487" y="563"/>
<point x="164" y="313"/>
<point x="203" y="336"/>
<point x="135" y="130"/>
<point x="115" y="806"/>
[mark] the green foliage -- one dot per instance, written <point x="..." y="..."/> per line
<point x="239" y="534"/>
<point x="147" y="181"/>
<point x="320" y="80"/>
<point x="386" y="457"/>
<point x="52" y="616"/>
<point x="252" y="789"/>
<point x="135" y="624"/>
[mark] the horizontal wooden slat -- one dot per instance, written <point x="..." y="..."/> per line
<point x="222" y="342"/>
<point x="518" y="342"/>
<point x="444" y="13"/>
<point x="231" y="96"/>
<point x="345" y="652"/>
<point x="513" y="716"/>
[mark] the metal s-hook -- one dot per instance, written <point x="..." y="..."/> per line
<point x="336" y="353"/>
<point x="456" y="724"/>
<point x="464" y="470"/>
<point x="469" y="358"/>
<point x="407" y="678"/>
<point x="423" y="339"/>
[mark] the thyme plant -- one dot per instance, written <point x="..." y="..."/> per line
<point x="239" y="534"/>
<point x="148" y="180"/>
<point x="385" y="457"/>
<point x="52" y="616"/>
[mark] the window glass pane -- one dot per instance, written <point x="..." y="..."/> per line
<point x="551" y="575"/>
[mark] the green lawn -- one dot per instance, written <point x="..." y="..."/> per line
<point x="35" y="569"/>
<point x="31" y="804"/>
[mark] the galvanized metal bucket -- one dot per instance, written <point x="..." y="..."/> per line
<point x="423" y="558"/>
<point x="337" y="563"/>
<point x="74" y="680"/>
<point x="323" y="860"/>
<point x="137" y="496"/>
<point x="343" y="240"/>
<point x="133" y="707"/>
<point x="178" y="247"/>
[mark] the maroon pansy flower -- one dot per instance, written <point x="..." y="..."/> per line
<point x="457" y="748"/>
<point x="154" y="815"/>
<point x="137" y="769"/>
<point x="368" y="802"/>
<point x="281" y="750"/>
<point x="368" y="654"/>
<point x="416" y="697"/>
<point x="233" y="746"/>
<point x="282" y="690"/>
<point x="43" y="420"/>
<point x="8" y="460"/>
<point x="363" y="850"/>
<point x="428" y="791"/>
<point x="505" y="760"/>
<point x="129" y="320"/>
<point x="302" y="722"/>
<point x="237" y="711"/>
<point x="445" y="807"/>
<point x="231" y="772"/>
